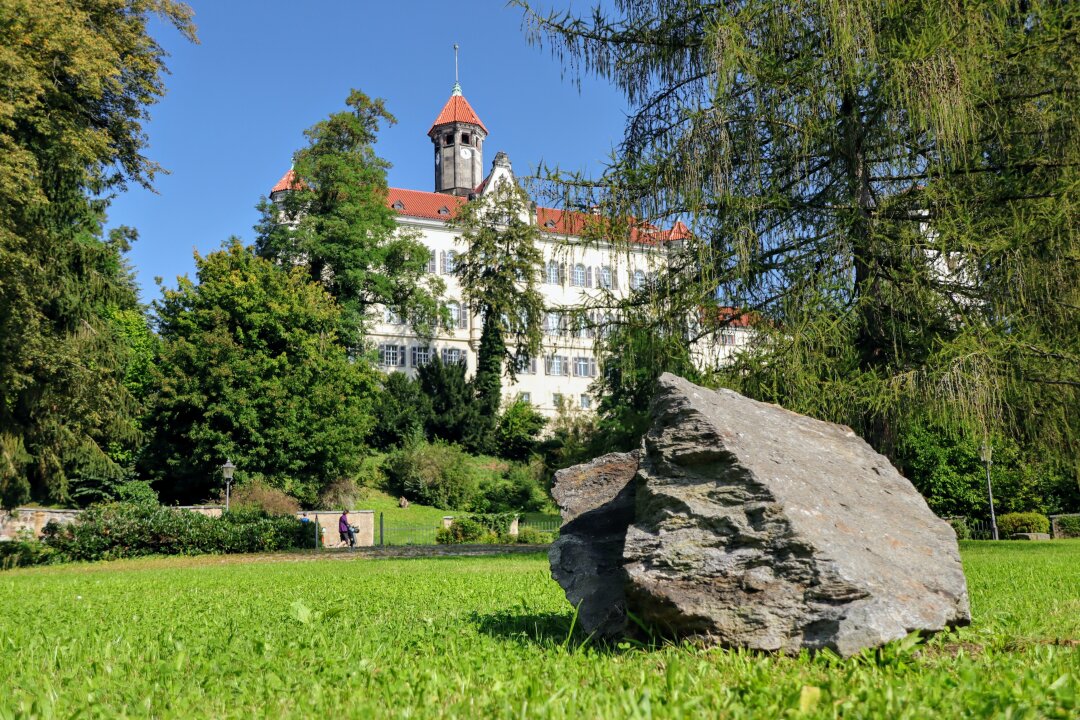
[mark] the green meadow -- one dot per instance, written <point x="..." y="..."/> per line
<point x="490" y="637"/>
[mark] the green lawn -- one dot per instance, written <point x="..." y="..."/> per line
<point x="489" y="637"/>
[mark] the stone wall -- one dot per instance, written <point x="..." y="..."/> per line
<point x="31" y="520"/>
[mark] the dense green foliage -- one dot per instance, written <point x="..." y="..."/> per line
<point x="887" y="189"/>
<point x="517" y="433"/>
<point x="445" y="476"/>
<point x="110" y="531"/>
<point x="1068" y="527"/>
<point x="251" y="370"/>
<point x="76" y="77"/>
<point x="1022" y="522"/>
<point x="337" y="223"/>
<point x="401" y="411"/>
<point x="492" y="638"/>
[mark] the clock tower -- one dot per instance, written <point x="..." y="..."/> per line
<point x="458" y="135"/>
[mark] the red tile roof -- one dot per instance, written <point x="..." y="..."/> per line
<point x="417" y="203"/>
<point x="457" y="109"/>
<point x="287" y="182"/>
<point x="439" y="206"/>
<point x="721" y="316"/>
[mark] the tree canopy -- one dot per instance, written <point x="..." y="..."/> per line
<point x="891" y="187"/>
<point x="336" y="222"/>
<point x="251" y="369"/>
<point x="76" y="78"/>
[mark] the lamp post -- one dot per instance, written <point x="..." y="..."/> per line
<point x="227" y="473"/>
<point x="986" y="453"/>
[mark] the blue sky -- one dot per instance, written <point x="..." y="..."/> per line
<point x="237" y="105"/>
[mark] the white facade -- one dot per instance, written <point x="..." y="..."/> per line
<point x="574" y="273"/>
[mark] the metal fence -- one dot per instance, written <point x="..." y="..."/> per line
<point x="392" y="532"/>
<point x="543" y="523"/>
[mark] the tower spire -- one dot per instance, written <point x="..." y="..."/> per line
<point x="457" y="85"/>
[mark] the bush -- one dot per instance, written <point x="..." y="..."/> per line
<point x="436" y="474"/>
<point x="961" y="528"/>
<point x="516" y="435"/>
<point x="1022" y="522"/>
<point x="24" y="553"/>
<point x="1068" y="526"/>
<point x="120" y="530"/>
<point x="257" y="495"/>
<point x="464" y="530"/>
<point x="532" y="536"/>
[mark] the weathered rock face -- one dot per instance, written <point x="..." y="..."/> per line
<point x="597" y="504"/>
<point x="757" y="527"/>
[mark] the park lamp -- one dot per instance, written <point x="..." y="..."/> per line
<point x="986" y="454"/>
<point x="227" y="471"/>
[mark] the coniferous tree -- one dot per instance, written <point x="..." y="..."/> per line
<point x="499" y="275"/>
<point x="78" y="76"/>
<point x="336" y="222"/>
<point x="890" y="186"/>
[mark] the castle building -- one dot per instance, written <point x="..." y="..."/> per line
<point x="573" y="273"/>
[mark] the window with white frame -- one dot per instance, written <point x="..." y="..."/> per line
<point x="451" y="262"/>
<point x="584" y="367"/>
<point x="431" y="263"/>
<point x="454" y="355"/>
<point x="553" y="273"/>
<point x="726" y="338"/>
<point x="552" y="323"/>
<point x="577" y="278"/>
<point x="525" y="397"/>
<point x="556" y="365"/>
<point x="459" y="315"/>
<point x="606" y="277"/>
<point x="638" y="281"/>
<point x="421" y="355"/>
<point x="556" y="399"/>
<point x="391" y="317"/>
<point x="586" y="402"/>
<point x="392" y="355"/>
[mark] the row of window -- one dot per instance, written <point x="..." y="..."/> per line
<point x="418" y="356"/>
<point x="557" y="399"/>
<point x="555" y="273"/>
<point x="459" y="316"/>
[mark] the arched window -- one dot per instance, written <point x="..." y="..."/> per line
<point x="553" y="273"/>
<point x="577" y="279"/>
<point x="605" y="277"/>
<point x="639" y="280"/>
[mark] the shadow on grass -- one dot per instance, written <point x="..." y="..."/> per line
<point x="546" y="629"/>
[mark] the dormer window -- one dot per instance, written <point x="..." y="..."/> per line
<point x="398" y="205"/>
<point x="550" y="224"/>
<point x="444" y="210"/>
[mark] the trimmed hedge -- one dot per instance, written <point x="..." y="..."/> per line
<point x="123" y="530"/>
<point x="1024" y="522"/>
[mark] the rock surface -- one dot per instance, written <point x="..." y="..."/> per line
<point x="597" y="504"/>
<point x="755" y="527"/>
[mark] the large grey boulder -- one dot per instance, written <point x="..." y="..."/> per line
<point x="597" y="504"/>
<point x="760" y="528"/>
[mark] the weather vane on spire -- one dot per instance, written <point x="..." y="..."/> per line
<point x="457" y="85"/>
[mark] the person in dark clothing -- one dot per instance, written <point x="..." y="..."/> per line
<point x="345" y="531"/>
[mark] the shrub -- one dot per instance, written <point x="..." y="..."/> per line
<point x="341" y="493"/>
<point x="961" y="528"/>
<point x="1022" y="522"/>
<point x="516" y="435"/>
<point x="23" y="553"/>
<point x="437" y="474"/>
<point x="261" y="496"/>
<point x="119" y="530"/>
<point x="464" y="530"/>
<point x="1068" y="526"/>
<point x="532" y="536"/>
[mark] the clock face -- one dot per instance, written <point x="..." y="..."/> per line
<point x="466" y="153"/>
